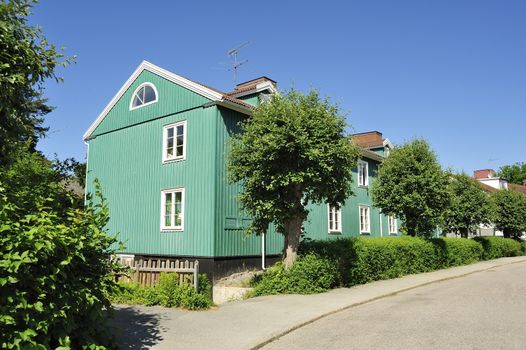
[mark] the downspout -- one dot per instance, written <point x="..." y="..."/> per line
<point x="263" y="250"/>
<point x="381" y="226"/>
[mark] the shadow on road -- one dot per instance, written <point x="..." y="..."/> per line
<point x="135" y="329"/>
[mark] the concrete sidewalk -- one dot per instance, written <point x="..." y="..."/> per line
<point x="252" y="323"/>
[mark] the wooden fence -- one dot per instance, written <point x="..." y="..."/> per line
<point x="146" y="271"/>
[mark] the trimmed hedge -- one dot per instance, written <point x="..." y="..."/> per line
<point x="309" y="274"/>
<point x="498" y="247"/>
<point x="362" y="260"/>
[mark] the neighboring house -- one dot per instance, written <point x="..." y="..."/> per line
<point x="491" y="183"/>
<point x="159" y="150"/>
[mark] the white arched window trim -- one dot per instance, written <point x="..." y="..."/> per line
<point x="147" y="103"/>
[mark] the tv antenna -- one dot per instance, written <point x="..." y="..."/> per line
<point x="235" y="63"/>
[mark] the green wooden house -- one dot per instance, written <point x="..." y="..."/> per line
<point x="159" y="150"/>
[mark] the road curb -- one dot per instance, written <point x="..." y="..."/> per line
<point x="398" y="291"/>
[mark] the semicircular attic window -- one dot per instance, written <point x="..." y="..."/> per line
<point x="144" y="95"/>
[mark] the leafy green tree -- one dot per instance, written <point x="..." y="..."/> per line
<point x="515" y="173"/>
<point x="292" y="151"/>
<point x="30" y="179"/>
<point x="55" y="277"/>
<point x="412" y="186"/>
<point x="470" y="206"/>
<point x="26" y="61"/>
<point x="510" y="217"/>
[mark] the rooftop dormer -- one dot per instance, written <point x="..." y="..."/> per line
<point x="254" y="91"/>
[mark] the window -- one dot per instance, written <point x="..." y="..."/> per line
<point x="144" y="95"/>
<point x="363" y="173"/>
<point x="174" y="141"/>
<point x="364" y="220"/>
<point x="335" y="219"/>
<point x="393" y="227"/>
<point x="172" y="210"/>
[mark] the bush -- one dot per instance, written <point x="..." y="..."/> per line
<point x="497" y="247"/>
<point x="309" y="274"/>
<point x="55" y="276"/>
<point x="168" y="292"/>
<point x="350" y="261"/>
<point x="390" y="257"/>
<point x="456" y="252"/>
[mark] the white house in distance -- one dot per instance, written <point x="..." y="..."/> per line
<point x="492" y="183"/>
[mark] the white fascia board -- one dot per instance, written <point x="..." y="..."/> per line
<point x="236" y="107"/>
<point x="372" y="155"/>
<point x="145" y="65"/>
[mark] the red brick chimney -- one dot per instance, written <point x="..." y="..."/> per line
<point x="368" y="139"/>
<point x="484" y="174"/>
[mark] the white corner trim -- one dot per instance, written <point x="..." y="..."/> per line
<point x="147" y="103"/>
<point x="145" y="65"/>
<point x="388" y="143"/>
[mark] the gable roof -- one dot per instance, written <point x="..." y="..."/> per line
<point x="214" y="95"/>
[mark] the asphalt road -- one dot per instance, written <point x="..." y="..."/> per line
<point x="485" y="310"/>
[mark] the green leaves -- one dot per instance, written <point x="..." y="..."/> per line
<point x="515" y="173"/>
<point x="412" y="186"/>
<point x="54" y="276"/>
<point x="27" y="60"/>
<point x="293" y="150"/>
<point x="470" y="206"/>
<point x="510" y="214"/>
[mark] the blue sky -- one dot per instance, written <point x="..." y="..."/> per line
<point x="452" y="72"/>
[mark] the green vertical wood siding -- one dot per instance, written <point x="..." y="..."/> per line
<point x="230" y="237"/>
<point x="127" y="160"/>
<point x="128" y="163"/>
<point x="317" y="225"/>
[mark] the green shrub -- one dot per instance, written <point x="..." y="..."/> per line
<point x="498" y="247"/>
<point x="168" y="292"/>
<point x="55" y="276"/>
<point x="309" y="274"/>
<point x="390" y="257"/>
<point x="456" y="251"/>
<point x="523" y="247"/>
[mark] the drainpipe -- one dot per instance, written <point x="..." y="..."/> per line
<point x="263" y="250"/>
<point x="381" y="226"/>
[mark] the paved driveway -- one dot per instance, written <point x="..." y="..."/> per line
<point x="485" y="310"/>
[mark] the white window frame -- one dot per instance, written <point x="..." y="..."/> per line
<point x="174" y="158"/>
<point x="332" y="211"/>
<point x="392" y="224"/>
<point x="363" y="181"/>
<point x="174" y="227"/>
<point x="366" y="226"/>
<point x="147" y="103"/>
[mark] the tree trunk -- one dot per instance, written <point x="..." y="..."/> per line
<point x="506" y="233"/>
<point x="411" y="231"/>
<point x="292" y="241"/>
<point x="410" y="224"/>
<point x="464" y="233"/>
